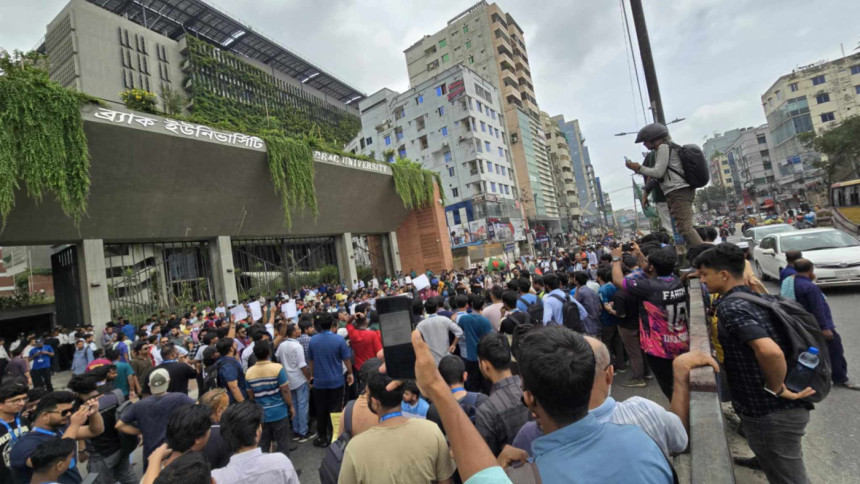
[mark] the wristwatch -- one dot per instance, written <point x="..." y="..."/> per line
<point x="777" y="393"/>
<point x="616" y="259"/>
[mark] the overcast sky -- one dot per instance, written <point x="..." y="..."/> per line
<point x="714" y="58"/>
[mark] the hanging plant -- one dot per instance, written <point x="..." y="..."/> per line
<point x="291" y="166"/>
<point x="414" y="184"/>
<point x="42" y="141"/>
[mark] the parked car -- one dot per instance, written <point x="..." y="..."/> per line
<point x="836" y="255"/>
<point x="754" y="235"/>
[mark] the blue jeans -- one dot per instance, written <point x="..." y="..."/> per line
<point x="301" y="397"/>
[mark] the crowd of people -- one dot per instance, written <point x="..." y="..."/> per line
<point x="513" y="376"/>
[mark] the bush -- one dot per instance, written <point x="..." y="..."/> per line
<point x="139" y="100"/>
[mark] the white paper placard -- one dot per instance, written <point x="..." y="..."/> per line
<point x="408" y="280"/>
<point x="238" y="312"/>
<point x="421" y="282"/>
<point x="289" y="309"/>
<point x="256" y="311"/>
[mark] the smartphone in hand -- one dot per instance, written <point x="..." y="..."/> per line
<point x="395" y="323"/>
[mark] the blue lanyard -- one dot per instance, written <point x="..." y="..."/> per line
<point x="57" y="434"/>
<point x="10" y="430"/>
<point x="390" y="415"/>
<point x="458" y="389"/>
<point x="168" y="361"/>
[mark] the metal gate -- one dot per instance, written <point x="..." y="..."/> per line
<point x="370" y="257"/>
<point x="264" y="266"/>
<point x="146" y="278"/>
<point x="67" y="289"/>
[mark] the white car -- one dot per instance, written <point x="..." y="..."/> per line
<point x="753" y="235"/>
<point x="836" y="255"/>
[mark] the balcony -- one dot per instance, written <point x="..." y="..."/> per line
<point x="508" y="91"/>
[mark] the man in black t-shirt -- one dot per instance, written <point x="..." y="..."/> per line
<point x="105" y="455"/>
<point x="180" y="371"/>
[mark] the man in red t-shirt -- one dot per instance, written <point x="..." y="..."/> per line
<point x="365" y="343"/>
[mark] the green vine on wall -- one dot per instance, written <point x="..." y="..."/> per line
<point x="291" y="166"/>
<point x="42" y="140"/>
<point x="414" y="184"/>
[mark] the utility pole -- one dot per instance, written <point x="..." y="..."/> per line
<point x="647" y="60"/>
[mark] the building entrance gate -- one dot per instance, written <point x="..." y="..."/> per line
<point x="264" y="266"/>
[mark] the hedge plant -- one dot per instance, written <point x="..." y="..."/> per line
<point x="42" y="140"/>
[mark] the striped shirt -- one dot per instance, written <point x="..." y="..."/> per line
<point x="265" y="380"/>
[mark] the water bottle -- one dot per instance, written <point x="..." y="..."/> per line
<point x="800" y="377"/>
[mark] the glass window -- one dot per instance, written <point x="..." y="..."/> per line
<point x="822" y="98"/>
<point x="478" y="104"/>
<point x="490" y="166"/>
<point x="441" y="110"/>
<point x="492" y="114"/>
<point x="456" y="193"/>
<point x="402" y="152"/>
<point x="478" y="146"/>
<point x="445" y="58"/>
<point x="468" y="44"/>
<point x="450" y="171"/>
<point x="818" y="80"/>
<point x="442" y="43"/>
<point x="444" y="131"/>
<point x="387" y="140"/>
<point x="488" y="110"/>
<point x="465" y="29"/>
<point x="817" y="240"/>
<point x="826" y="117"/>
<point x="501" y="152"/>
<point x="471" y="59"/>
<point x="498" y="170"/>
<point x="857" y="89"/>
<point x="369" y="140"/>
<point x="419" y="99"/>
<point x="855" y="69"/>
<point x="493" y="187"/>
<point x="507" y="190"/>
<point x="504" y="171"/>
<point x="483" y="126"/>
<point x="487" y="146"/>
<point x="793" y="87"/>
<point x="447" y="156"/>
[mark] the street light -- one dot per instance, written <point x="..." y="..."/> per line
<point x="676" y="120"/>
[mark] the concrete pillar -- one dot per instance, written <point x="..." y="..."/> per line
<point x="346" y="258"/>
<point x="395" y="252"/>
<point x="95" y="302"/>
<point x="223" y="272"/>
<point x="387" y="255"/>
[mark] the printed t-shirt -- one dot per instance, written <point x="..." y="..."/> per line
<point x="662" y="315"/>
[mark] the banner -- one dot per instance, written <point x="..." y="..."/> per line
<point x="518" y="228"/>
<point x="478" y="229"/>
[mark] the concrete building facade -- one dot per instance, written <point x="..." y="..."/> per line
<point x="489" y="41"/>
<point x="453" y="125"/>
<point x="580" y="160"/>
<point x="811" y="98"/>
<point x="751" y="152"/>
<point x="719" y="143"/>
<point x="563" y="177"/>
<point x="721" y="172"/>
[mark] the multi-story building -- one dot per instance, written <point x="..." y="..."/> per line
<point x="193" y="51"/>
<point x="751" y="152"/>
<point x="489" y="41"/>
<point x="580" y="161"/>
<point x="811" y="98"/>
<point x="721" y="172"/>
<point x="563" y="177"/>
<point x="719" y="143"/>
<point x="453" y="125"/>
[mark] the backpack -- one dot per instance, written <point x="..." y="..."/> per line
<point x="127" y="443"/>
<point x="333" y="458"/>
<point x="799" y="330"/>
<point x="696" y="172"/>
<point x="534" y="310"/>
<point x="210" y="378"/>
<point x="570" y="314"/>
<point x="470" y="404"/>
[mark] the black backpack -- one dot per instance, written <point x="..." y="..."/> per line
<point x="534" y="310"/>
<point x="799" y="331"/>
<point x="333" y="458"/>
<point x="127" y="443"/>
<point x="570" y="314"/>
<point x="210" y="376"/>
<point x="696" y="172"/>
<point x="470" y="404"/>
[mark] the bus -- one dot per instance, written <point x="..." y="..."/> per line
<point x="845" y="205"/>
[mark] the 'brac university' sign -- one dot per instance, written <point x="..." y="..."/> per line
<point x="322" y="156"/>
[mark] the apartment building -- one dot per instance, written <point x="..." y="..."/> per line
<point x="563" y="177"/>
<point x="106" y="47"/>
<point x="751" y="152"/>
<point x="719" y="144"/>
<point x="721" y="172"/>
<point x="580" y="160"/>
<point x="812" y="98"/>
<point x="451" y="123"/>
<point x="489" y="41"/>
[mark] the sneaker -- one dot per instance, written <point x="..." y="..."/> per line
<point x="849" y="385"/>
<point x="751" y="462"/>
<point x="649" y="376"/>
<point x="634" y="384"/>
<point x="307" y="437"/>
<point x="320" y="443"/>
<point x="297" y="437"/>
<point x="621" y="370"/>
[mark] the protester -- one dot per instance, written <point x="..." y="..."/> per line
<point x="241" y="428"/>
<point x="177" y="367"/>
<point x="13" y="400"/>
<point x="810" y="296"/>
<point x="412" y="403"/>
<point x="437" y="331"/>
<point x="52" y="418"/>
<point x="82" y="357"/>
<point x="590" y="300"/>
<point x="140" y="362"/>
<point x="669" y="170"/>
<point x="362" y="417"/>
<point x="188" y="468"/>
<point x="663" y="331"/>
<point x="553" y="302"/>
<point x="52" y="459"/>
<point x="499" y="418"/>
<point x="292" y="356"/>
<point x="773" y="417"/>
<point x="389" y="452"/>
<point x="625" y="307"/>
<point x="230" y="375"/>
<point x="609" y="333"/>
<point x="326" y="353"/>
<point x="558" y="369"/>
<point x="187" y="434"/>
<point x="526" y="298"/>
<point x="40" y="364"/>
<point x="453" y="371"/>
<point x="493" y="312"/>
<point x="18" y="370"/>
<point x="268" y="386"/>
<point x="216" y="451"/>
<point x="126" y="380"/>
<point x="149" y="416"/>
<point x="474" y="328"/>
<point x="365" y="343"/>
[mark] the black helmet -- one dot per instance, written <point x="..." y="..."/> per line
<point x="652" y="132"/>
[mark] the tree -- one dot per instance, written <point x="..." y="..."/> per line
<point x="841" y="146"/>
<point x="172" y="100"/>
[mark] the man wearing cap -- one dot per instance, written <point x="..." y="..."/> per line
<point x="82" y="357"/>
<point x="149" y="416"/>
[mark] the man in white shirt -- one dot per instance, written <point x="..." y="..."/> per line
<point x="291" y="355"/>
<point x="221" y="310"/>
